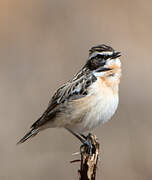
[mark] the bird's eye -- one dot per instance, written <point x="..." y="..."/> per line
<point x="101" y="59"/>
<point x="102" y="56"/>
<point x="99" y="56"/>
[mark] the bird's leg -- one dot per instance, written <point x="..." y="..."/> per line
<point x="87" y="146"/>
<point x="86" y="142"/>
<point x="81" y="137"/>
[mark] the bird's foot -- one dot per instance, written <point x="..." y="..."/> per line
<point x="87" y="142"/>
<point x="87" y="146"/>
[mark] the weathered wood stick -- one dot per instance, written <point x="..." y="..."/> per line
<point x="89" y="162"/>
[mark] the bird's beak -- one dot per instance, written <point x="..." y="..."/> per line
<point x="116" y="55"/>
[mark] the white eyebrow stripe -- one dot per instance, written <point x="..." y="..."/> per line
<point x="101" y="53"/>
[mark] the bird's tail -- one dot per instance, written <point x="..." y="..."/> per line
<point x="30" y="134"/>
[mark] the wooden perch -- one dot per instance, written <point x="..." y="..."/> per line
<point x="89" y="162"/>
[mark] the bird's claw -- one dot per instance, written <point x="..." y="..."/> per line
<point x="87" y="146"/>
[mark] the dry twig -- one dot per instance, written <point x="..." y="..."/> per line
<point x="88" y="160"/>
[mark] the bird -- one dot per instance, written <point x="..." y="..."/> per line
<point x="86" y="101"/>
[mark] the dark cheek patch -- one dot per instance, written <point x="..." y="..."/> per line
<point x="94" y="64"/>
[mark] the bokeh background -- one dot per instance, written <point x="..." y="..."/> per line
<point x="42" y="44"/>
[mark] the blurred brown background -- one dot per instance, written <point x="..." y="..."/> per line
<point x="42" y="44"/>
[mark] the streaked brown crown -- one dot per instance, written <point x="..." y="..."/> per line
<point x="101" y="48"/>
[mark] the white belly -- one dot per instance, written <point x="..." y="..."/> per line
<point x="102" y="110"/>
<point x="98" y="108"/>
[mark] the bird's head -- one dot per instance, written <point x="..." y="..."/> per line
<point x="104" y="61"/>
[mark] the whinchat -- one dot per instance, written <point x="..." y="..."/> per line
<point x="89" y="99"/>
